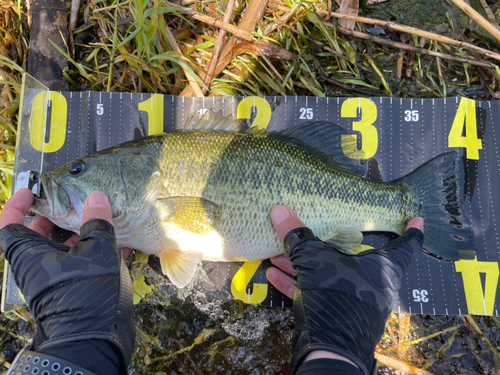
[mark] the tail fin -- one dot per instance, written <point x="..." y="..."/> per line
<point x="439" y="187"/>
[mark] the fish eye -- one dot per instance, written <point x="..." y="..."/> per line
<point x="76" y="167"/>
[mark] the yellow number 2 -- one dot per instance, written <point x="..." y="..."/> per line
<point x="264" y="111"/>
<point x="369" y="133"/>
<point x="478" y="301"/>
<point x="57" y="104"/>
<point x="240" y="283"/>
<point x="466" y="112"/>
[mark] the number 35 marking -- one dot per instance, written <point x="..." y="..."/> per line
<point x="420" y="295"/>
<point x="411" y="116"/>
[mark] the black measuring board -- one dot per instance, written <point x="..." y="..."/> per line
<point x="398" y="135"/>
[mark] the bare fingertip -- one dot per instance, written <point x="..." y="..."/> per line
<point x="416" y="222"/>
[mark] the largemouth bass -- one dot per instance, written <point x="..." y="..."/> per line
<point x="205" y="193"/>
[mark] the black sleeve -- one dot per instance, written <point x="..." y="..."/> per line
<point x="98" y="356"/>
<point x="326" y="366"/>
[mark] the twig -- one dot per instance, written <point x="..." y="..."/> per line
<point x="472" y="13"/>
<point x="192" y="83"/>
<point x="218" y="46"/>
<point x="254" y="12"/>
<point x="401" y="366"/>
<point x="75" y="8"/>
<point x="327" y="48"/>
<point x="406" y="47"/>
<point x="418" y="32"/>
<point x="284" y="18"/>
<point x="449" y="329"/>
<point x="381" y="76"/>
<point x="488" y="12"/>
<point x="240" y="33"/>
<point x="349" y="8"/>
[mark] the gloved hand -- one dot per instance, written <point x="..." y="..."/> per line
<point x="341" y="302"/>
<point x="81" y="295"/>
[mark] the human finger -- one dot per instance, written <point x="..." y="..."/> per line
<point x="126" y="252"/>
<point x="42" y="225"/>
<point x="284" y="220"/>
<point x="72" y="241"/>
<point x="97" y="207"/>
<point x="16" y="208"/>
<point x="416" y="222"/>
<point x="283" y="263"/>
<point x="405" y="249"/>
<point x="281" y="281"/>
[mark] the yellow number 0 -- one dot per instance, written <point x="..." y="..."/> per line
<point x="369" y="133"/>
<point x="58" y="119"/>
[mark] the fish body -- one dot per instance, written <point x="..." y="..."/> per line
<point x="203" y="194"/>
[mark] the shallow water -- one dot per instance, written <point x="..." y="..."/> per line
<point x="194" y="332"/>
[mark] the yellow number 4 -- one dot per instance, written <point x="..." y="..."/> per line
<point x="479" y="301"/>
<point x="466" y="117"/>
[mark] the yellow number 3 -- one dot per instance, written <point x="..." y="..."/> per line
<point x="369" y="133"/>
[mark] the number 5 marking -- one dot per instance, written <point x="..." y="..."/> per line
<point x="57" y="104"/>
<point x="240" y="283"/>
<point x="369" y="133"/>
<point x="479" y="301"/>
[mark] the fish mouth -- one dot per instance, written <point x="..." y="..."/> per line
<point x="54" y="201"/>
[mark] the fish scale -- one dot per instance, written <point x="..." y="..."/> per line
<point x="199" y="194"/>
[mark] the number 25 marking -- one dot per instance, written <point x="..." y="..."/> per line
<point x="306" y="114"/>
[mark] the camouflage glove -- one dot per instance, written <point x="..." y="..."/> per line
<point x="341" y="302"/>
<point x="80" y="297"/>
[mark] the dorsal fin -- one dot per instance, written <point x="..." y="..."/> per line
<point x="215" y="122"/>
<point x="325" y="139"/>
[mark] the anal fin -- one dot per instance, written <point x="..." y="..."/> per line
<point x="346" y="241"/>
<point x="179" y="266"/>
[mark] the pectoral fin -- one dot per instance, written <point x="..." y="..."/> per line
<point x="179" y="266"/>
<point x="346" y="241"/>
<point x="194" y="214"/>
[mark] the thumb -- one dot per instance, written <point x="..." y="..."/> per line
<point x="97" y="207"/>
<point x="284" y="220"/>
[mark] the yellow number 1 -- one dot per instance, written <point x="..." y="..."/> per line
<point x="154" y="108"/>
